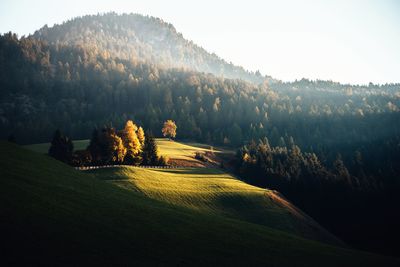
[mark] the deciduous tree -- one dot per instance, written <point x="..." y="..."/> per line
<point x="140" y="135"/>
<point x="112" y="146"/>
<point x="131" y="143"/>
<point x="169" y="129"/>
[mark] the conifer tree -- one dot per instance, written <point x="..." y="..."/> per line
<point x="61" y="147"/>
<point x="95" y="147"/>
<point x="341" y="170"/>
<point x="150" y="151"/>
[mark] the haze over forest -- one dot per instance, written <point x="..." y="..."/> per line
<point x="345" y="41"/>
<point x="101" y="90"/>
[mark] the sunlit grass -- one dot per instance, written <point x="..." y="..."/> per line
<point x="54" y="215"/>
<point x="170" y="149"/>
<point x="212" y="191"/>
<point x="178" y="150"/>
<point x="207" y="190"/>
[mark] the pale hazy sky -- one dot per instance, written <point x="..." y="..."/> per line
<point x="347" y="41"/>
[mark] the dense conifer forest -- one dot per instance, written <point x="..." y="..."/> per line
<point x="331" y="148"/>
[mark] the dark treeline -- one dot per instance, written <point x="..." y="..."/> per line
<point x="357" y="201"/>
<point x="99" y="69"/>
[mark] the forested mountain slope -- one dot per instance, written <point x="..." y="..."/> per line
<point x="145" y="39"/>
<point x="106" y="69"/>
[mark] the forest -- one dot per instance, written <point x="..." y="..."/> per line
<point x="331" y="148"/>
<point x="357" y="201"/>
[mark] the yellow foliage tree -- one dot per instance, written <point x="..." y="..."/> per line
<point x="169" y="129"/>
<point x="118" y="148"/>
<point x="140" y="136"/>
<point x="131" y="142"/>
<point x="113" y="147"/>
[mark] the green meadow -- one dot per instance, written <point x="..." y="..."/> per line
<point x="53" y="214"/>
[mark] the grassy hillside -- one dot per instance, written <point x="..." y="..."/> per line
<point x="52" y="214"/>
<point x="212" y="191"/>
<point x="176" y="151"/>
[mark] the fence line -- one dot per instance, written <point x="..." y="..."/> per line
<point x="85" y="168"/>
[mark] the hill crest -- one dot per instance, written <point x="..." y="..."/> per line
<point x="145" y="39"/>
<point x="53" y="213"/>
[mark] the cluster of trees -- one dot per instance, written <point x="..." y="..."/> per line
<point x="285" y="167"/>
<point x="349" y="199"/>
<point x="129" y="146"/>
<point x="282" y="165"/>
<point x="107" y="68"/>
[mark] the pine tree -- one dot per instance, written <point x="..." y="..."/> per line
<point x="95" y="148"/>
<point x="341" y="170"/>
<point x="150" y="151"/>
<point x="61" y="147"/>
<point x="235" y="133"/>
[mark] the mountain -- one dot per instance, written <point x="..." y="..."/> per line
<point x="54" y="214"/>
<point x="49" y="84"/>
<point x="142" y="38"/>
<point x="102" y="70"/>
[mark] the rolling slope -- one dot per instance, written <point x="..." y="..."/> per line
<point x="212" y="191"/>
<point x="53" y="214"/>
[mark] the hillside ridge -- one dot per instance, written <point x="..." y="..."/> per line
<point x="55" y="214"/>
<point x="211" y="190"/>
<point x="142" y="38"/>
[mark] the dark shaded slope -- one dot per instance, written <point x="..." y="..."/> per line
<point x="51" y="214"/>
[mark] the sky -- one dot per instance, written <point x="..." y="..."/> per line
<point x="351" y="41"/>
